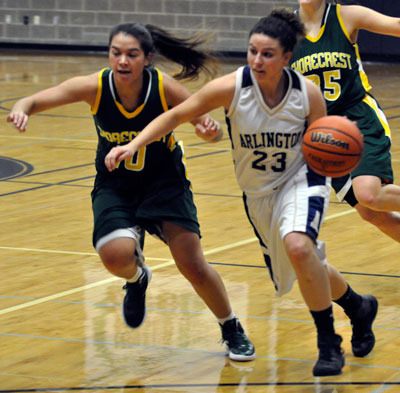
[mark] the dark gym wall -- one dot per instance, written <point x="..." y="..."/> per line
<point x="377" y="47"/>
<point x="85" y="24"/>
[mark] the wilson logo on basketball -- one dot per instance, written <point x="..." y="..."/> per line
<point x="332" y="146"/>
<point x="328" y="139"/>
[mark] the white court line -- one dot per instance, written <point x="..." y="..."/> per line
<point x="383" y="388"/>
<point x="168" y="262"/>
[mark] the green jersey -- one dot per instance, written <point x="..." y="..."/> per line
<point x="332" y="62"/>
<point x="152" y="186"/>
<point x="117" y="126"/>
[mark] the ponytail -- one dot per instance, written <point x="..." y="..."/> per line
<point x="183" y="51"/>
<point x="283" y="25"/>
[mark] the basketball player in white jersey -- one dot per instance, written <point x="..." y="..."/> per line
<point x="268" y="106"/>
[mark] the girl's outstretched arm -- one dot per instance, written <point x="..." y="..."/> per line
<point x="357" y="17"/>
<point x="81" y="88"/>
<point x="215" y="94"/>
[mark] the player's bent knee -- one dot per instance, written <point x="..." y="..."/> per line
<point x="298" y="247"/>
<point x="115" y="256"/>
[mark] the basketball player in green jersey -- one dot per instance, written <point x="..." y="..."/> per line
<point x="150" y="191"/>
<point x="329" y="56"/>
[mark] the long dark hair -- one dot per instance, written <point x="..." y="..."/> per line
<point x="283" y="25"/>
<point x="183" y="51"/>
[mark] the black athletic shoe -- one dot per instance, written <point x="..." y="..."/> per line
<point x="239" y="347"/>
<point x="331" y="357"/>
<point x="134" y="306"/>
<point x="363" y="338"/>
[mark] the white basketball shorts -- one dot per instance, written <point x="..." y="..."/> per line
<point x="298" y="206"/>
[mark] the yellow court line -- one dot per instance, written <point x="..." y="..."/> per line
<point x="74" y="290"/>
<point x="168" y="262"/>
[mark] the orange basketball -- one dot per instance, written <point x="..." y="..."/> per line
<point x="332" y="146"/>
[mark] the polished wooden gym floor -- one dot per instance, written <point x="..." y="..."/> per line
<point x="61" y="328"/>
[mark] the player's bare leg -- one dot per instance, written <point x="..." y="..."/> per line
<point x="315" y="287"/>
<point x="370" y="193"/>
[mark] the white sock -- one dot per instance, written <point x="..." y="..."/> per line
<point x="221" y="321"/>
<point x="139" y="272"/>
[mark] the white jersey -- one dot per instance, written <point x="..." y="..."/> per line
<point x="266" y="142"/>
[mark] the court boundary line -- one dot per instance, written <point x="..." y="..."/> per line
<point x="205" y="385"/>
